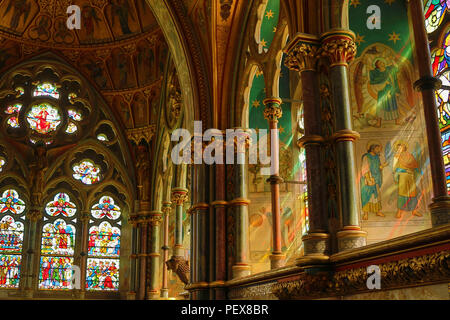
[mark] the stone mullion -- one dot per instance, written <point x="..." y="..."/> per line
<point x="167" y="209"/>
<point x="32" y="264"/>
<point x="427" y="84"/>
<point x="302" y="57"/>
<point x="143" y="237"/>
<point x="84" y="251"/>
<point x="133" y="257"/>
<point x="339" y="47"/>
<point x="272" y="113"/>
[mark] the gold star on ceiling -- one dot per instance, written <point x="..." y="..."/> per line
<point x="389" y="2"/>
<point x="270" y="14"/>
<point x="281" y="129"/>
<point x="355" y="3"/>
<point x="359" y="39"/>
<point x="274" y="29"/>
<point x="394" y="37"/>
<point x="264" y="43"/>
<point x="256" y="103"/>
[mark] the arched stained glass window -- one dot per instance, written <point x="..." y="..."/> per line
<point x="11" y="238"/>
<point x="43" y="118"/>
<point x="57" y="244"/>
<point x="104" y="246"/>
<point x="439" y="34"/>
<point x="46" y="89"/>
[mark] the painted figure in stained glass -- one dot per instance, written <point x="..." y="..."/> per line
<point x="75" y="115"/>
<point x="10" y="202"/>
<point x="15" y="108"/>
<point x="106" y="208"/>
<point x="13" y="122"/>
<point x="58" y="238"/>
<point x="55" y="273"/>
<point x="46" y="89"/>
<point x="11" y="235"/>
<point x="442" y="97"/>
<point x="371" y="180"/>
<point x="43" y="118"/>
<point x="86" y="172"/>
<point x="71" y="128"/>
<point x="10" y="271"/>
<point x="104" y="241"/>
<point x="102" y="274"/>
<point x="61" y="205"/>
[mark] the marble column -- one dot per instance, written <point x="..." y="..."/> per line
<point x="239" y="205"/>
<point x="144" y="208"/>
<point x="302" y="57"/>
<point x="167" y="210"/>
<point x="427" y="84"/>
<point x="154" y="220"/>
<point x="339" y="48"/>
<point x="179" y="197"/>
<point x="272" y="113"/>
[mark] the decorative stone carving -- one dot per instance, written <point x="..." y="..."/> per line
<point x="38" y="167"/>
<point x="143" y="169"/>
<point x="225" y="8"/>
<point x="144" y="133"/>
<point x="181" y="267"/>
<point x="302" y="56"/>
<point x="340" y="49"/>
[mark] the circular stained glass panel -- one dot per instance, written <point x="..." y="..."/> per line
<point x="43" y="118"/>
<point x="86" y="172"/>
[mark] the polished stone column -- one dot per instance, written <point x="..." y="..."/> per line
<point x="154" y="219"/>
<point x="167" y="210"/>
<point x="241" y="267"/>
<point x="134" y="267"/>
<point x="340" y="48"/>
<point x="179" y="197"/>
<point x="272" y="113"/>
<point x="144" y="208"/>
<point x="427" y="84"/>
<point x="302" y="57"/>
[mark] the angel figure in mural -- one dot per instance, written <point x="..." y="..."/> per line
<point x="383" y="89"/>
<point x="407" y="170"/>
<point x="20" y="8"/>
<point x="371" y="180"/>
<point x="90" y="21"/>
<point x="121" y="9"/>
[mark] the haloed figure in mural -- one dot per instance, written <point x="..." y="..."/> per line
<point x="406" y="169"/>
<point x="371" y="180"/>
<point x="383" y="86"/>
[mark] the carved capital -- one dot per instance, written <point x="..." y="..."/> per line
<point x="34" y="215"/>
<point x="339" y="47"/>
<point x="273" y="110"/>
<point x="167" y="207"/>
<point x="179" y="196"/>
<point x="302" y="57"/>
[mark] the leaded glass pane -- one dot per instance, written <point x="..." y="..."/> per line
<point x="11" y="203"/>
<point x="10" y="271"/>
<point x="55" y="273"/>
<point x="102" y="274"/>
<point x="43" y="118"/>
<point x="104" y="241"/>
<point x="106" y="208"/>
<point x="58" y="238"/>
<point x="46" y="89"/>
<point x="61" y="205"/>
<point x="86" y="172"/>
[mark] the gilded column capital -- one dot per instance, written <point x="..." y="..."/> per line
<point x="34" y="215"/>
<point x="179" y="196"/>
<point x="339" y="47"/>
<point x="167" y="207"/>
<point x="302" y="53"/>
<point x="154" y="218"/>
<point x="273" y="110"/>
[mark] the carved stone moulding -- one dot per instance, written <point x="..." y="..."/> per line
<point x="144" y="133"/>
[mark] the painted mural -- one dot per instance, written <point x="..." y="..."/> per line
<point x="391" y="156"/>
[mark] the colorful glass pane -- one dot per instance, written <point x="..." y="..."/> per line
<point x="106" y="208"/>
<point x="2" y="164"/>
<point x="43" y="118"/>
<point x="11" y="235"/>
<point x="13" y="122"/>
<point x="20" y="92"/>
<point x="102" y="137"/>
<point x="61" y="205"/>
<point x="55" y="273"/>
<point x="72" y="96"/>
<point x="102" y="274"/>
<point x="58" y="238"/>
<point x="15" y="108"/>
<point x="10" y="271"/>
<point x="104" y="241"/>
<point x="86" y="172"/>
<point x="442" y="97"/>
<point x="446" y="151"/>
<point x="75" y="115"/>
<point x="46" y="89"/>
<point x="434" y="14"/>
<point x="71" y="128"/>
<point x="11" y="203"/>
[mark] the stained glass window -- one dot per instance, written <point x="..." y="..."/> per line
<point x="46" y="89"/>
<point x="20" y="91"/>
<point x="2" y="164"/>
<point x="57" y="244"/>
<point x="71" y="128"/>
<point x="13" y="122"/>
<point x="11" y="238"/>
<point x="104" y="246"/>
<point x="61" y="205"/>
<point x="102" y="137"/>
<point x="75" y="115"/>
<point x="86" y="172"/>
<point x="72" y="96"/>
<point x="13" y="108"/>
<point x="43" y="118"/>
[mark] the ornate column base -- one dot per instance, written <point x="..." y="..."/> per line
<point x="351" y="237"/>
<point x="240" y="271"/>
<point x="28" y="293"/>
<point x="153" y="295"/>
<point x="440" y="211"/>
<point x="317" y="249"/>
<point x="165" y="293"/>
<point x="277" y="260"/>
<point x="131" y="295"/>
